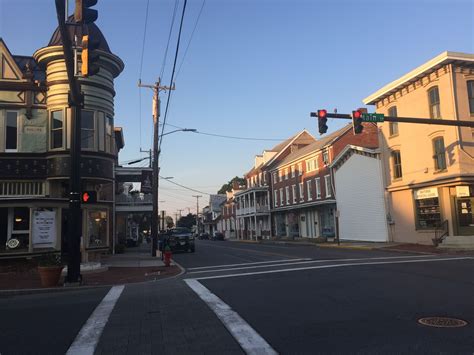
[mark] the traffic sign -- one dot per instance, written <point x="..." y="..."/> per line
<point x="373" y="117"/>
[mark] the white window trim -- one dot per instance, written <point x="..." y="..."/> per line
<point x="300" y="168"/>
<point x="293" y="171"/>
<point x="317" y="182"/>
<point x="328" y="188"/>
<point x="287" y="192"/>
<point x="293" y="191"/>
<point x="276" y="198"/>
<point x="94" y="117"/>
<point x="286" y="173"/>
<point x="301" y="191"/>
<point x="17" y="131"/>
<point x="308" y="189"/>
<point x="50" y="128"/>
<point x="281" y="196"/>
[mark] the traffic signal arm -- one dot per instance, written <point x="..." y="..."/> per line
<point x="430" y="121"/>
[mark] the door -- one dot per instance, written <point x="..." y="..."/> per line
<point x="303" y="226"/>
<point x="465" y="215"/>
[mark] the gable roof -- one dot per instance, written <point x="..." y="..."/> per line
<point x="317" y="145"/>
<point x="21" y="65"/>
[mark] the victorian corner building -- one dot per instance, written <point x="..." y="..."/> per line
<point x="35" y="138"/>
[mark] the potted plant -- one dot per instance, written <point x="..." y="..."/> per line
<point x="49" y="268"/>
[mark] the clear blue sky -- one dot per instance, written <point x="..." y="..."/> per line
<point x="255" y="68"/>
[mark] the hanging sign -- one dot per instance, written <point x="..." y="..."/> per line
<point x="44" y="229"/>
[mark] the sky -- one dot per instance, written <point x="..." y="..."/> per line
<point x="253" y="68"/>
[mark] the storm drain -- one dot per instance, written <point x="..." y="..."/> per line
<point x="442" y="322"/>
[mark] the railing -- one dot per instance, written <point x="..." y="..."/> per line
<point x="133" y="200"/>
<point x="252" y="209"/>
<point x="22" y="188"/>
<point x="441" y="231"/>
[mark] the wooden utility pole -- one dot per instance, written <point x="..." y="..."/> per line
<point x="197" y="212"/>
<point x="156" y="153"/>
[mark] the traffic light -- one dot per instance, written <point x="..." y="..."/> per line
<point x="322" y="119"/>
<point x="89" y="197"/>
<point x="89" y="57"/>
<point x="82" y="13"/>
<point x="357" y="121"/>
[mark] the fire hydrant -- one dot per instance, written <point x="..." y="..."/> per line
<point x="167" y="256"/>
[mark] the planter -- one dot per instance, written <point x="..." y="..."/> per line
<point x="49" y="275"/>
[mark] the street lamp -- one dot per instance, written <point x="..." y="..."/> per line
<point x="180" y="130"/>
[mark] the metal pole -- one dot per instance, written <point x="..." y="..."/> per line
<point x="197" y="212"/>
<point x="75" y="102"/>
<point x="156" y="171"/>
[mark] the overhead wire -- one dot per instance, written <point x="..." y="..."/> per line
<point x="169" y="38"/>
<point x="174" y="69"/>
<point x="187" y="188"/>
<point x="190" y="39"/>
<point x="140" y="74"/>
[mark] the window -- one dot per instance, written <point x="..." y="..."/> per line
<point x="318" y="187"/>
<point x="97" y="228"/>
<point x="397" y="164"/>
<point x="393" y="126"/>
<point x="308" y="165"/>
<point x="281" y="196"/>
<point x="280" y="175"/>
<point x="300" y="168"/>
<point x="293" y="193"/>
<point x="87" y="130"/>
<point x="275" y="200"/>
<point x="286" y="174"/>
<point x="274" y="177"/>
<point x="287" y="192"/>
<point x="433" y="98"/>
<point x="301" y="192"/>
<point x="470" y="95"/>
<point x="260" y="182"/>
<point x="309" y="190"/>
<point x="56" y="127"/>
<point x="109" y="143"/>
<point x="326" y="157"/>
<point x="316" y="163"/>
<point x="11" y="132"/>
<point x="428" y="213"/>
<point x="21" y="226"/>
<point x="439" y="154"/>
<point x="327" y="182"/>
<point x="293" y="168"/>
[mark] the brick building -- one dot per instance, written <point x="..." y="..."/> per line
<point x="303" y="199"/>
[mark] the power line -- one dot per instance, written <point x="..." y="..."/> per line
<point x="140" y="73"/>
<point x="191" y="38"/>
<point x="231" y="137"/>
<point x="187" y="188"/>
<point x="174" y="68"/>
<point x="169" y="38"/>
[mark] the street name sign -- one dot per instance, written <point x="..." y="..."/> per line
<point x="373" y="117"/>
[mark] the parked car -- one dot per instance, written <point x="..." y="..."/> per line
<point x="218" y="236"/>
<point x="204" y="236"/>
<point x="181" y="239"/>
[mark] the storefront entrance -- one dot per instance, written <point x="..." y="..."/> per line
<point x="465" y="216"/>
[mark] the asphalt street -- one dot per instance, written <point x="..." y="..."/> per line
<point x="257" y="298"/>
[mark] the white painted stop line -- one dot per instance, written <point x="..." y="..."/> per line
<point x="88" y="338"/>
<point x="250" y="341"/>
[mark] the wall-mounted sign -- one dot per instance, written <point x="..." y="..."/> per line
<point x="462" y="191"/>
<point x="426" y="193"/>
<point x="44" y="229"/>
<point x="35" y="130"/>
<point x="146" y="181"/>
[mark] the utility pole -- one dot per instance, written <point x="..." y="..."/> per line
<point x="197" y="212"/>
<point x="156" y="170"/>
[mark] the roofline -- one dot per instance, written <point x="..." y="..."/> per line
<point x="347" y="127"/>
<point x="441" y="59"/>
<point x="286" y="146"/>
<point x="350" y="147"/>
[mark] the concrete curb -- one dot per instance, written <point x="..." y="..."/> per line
<point x="31" y="291"/>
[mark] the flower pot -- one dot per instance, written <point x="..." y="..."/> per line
<point x="49" y="275"/>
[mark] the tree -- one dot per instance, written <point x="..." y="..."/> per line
<point x="169" y="222"/>
<point x="187" y="221"/>
<point x="228" y="187"/>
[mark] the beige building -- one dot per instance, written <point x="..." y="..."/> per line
<point x="429" y="169"/>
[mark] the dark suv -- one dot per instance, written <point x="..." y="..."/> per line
<point x="181" y="239"/>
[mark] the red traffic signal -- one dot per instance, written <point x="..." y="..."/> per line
<point x="322" y="119"/>
<point x="89" y="197"/>
<point x="322" y="113"/>
<point x="357" y="121"/>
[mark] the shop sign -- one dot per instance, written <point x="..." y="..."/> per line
<point x="146" y="181"/>
<point x="35" y="130"/>
<point x="426" y="193"/>
<point x="44" y="228"/>
<point x="462" y="191"/>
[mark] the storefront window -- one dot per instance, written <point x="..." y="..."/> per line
<point x="428" y="213"/>
<point x="21" y="227"/>
<point x="97" y="229"/>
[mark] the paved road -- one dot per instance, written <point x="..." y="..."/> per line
<point x="237" y="297"/>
